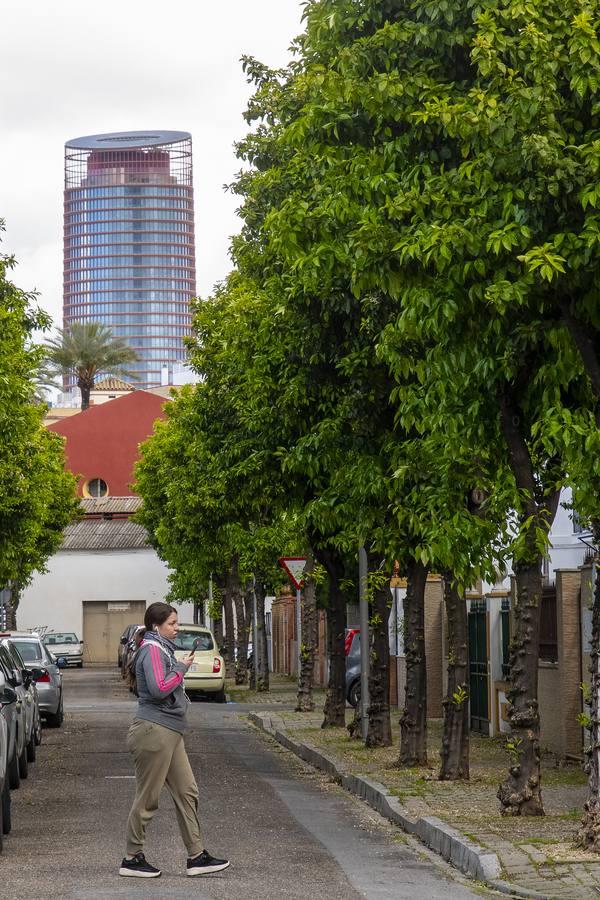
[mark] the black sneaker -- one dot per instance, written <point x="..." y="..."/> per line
<point x="205" y="864"/>
<point x="138" y="867"/>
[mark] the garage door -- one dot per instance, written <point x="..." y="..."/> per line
<point x="103" y="624"/>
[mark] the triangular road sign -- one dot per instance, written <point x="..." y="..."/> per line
<point x="294" y="566"/>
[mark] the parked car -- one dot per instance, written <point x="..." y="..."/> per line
<point x="67" y="644"/>
<point x="21" y="680"/>
<point x="49" y="678"/>
<point x="353" y="667"/>
<point x="27" y="691"/>
<point x="8" y="699"/>
<point x="14" y="715"/>
<point x="126" y="637"/>
<point x="206" y="675"/>
<point x="128" y="650"/>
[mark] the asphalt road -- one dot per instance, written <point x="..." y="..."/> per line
<point x="288" y="832"/>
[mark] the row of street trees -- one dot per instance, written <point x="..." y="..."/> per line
<point x="407" y="353"/>
<point x="37" y="496"/>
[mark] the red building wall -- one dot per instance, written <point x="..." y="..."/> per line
<point x="103" y="441"/>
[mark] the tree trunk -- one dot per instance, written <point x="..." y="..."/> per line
<point x="521" y="792"/>
<point x="334" y="713"/>
<point x="85" y="387"/>
<point x="379" y="729"/>
<point x="588" y="835"/>
<point x="242" y="625"/>
<point x="413" y="722"/>
<point x="216" y="610"/>
<point x="308" y="612"/>
<point x="455" y="738"/>
<point x="229" y="636"/>
<point x="249" y="605"/>
<point x="261" y="653"/>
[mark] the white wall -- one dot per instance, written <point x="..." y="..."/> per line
<point x="55" y="599"/>
<point x="567" y="550"/>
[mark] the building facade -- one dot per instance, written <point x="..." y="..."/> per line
<point x="129" y="253"/>
<point x="101" y="580"/>
<point x="102" y="443"/>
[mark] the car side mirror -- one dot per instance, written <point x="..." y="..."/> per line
<point x="61" y="662"/>
<point x="7" y="695"/>
<point x="36" y="673"/>
<point x="27" y="677"/>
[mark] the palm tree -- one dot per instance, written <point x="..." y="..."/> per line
<point x="85" y="350"/>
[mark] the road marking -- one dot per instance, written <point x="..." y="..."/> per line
<point x="119" y="776"/>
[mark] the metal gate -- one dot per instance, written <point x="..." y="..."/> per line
<point x="478" y="667"/>
<point x="103" y="623"/>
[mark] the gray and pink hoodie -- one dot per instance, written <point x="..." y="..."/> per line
<point x="161" y="697"/>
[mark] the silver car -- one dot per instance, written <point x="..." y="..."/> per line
<point x="67" y="644"/>
<point x="49" y="680"/>
<point x="8" y="701"/>
<point x="25" y="707"/>
<point x="13" y="713"/>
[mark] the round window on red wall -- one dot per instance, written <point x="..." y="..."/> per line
<point x="95" y="487"/>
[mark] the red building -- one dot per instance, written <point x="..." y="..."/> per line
<point x="102" y="442"/>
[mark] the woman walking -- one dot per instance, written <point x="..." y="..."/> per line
<point x="155" y="741"/>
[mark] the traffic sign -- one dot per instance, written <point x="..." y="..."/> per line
<point x="294" y="566"/>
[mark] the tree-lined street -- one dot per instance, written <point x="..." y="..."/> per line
<point x="289" y="832"/>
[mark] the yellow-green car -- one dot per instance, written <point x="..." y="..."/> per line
<point x="206" y="675"/>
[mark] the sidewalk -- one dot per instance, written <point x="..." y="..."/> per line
<point x="537" y="855"/>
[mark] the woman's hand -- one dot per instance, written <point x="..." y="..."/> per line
<point x="188" y="660"/>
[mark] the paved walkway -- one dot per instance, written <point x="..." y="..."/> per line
<point x="537" y="854"/>
<point x="290" y="833"/>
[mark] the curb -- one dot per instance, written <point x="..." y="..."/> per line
<point x="471" y="858"/>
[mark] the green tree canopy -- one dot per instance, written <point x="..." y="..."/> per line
<point x="37" y="495"/>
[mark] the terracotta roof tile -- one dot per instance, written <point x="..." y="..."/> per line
<point x="112" y="384"/>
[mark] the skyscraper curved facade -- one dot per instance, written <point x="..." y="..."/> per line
<point x="129" y="257"/>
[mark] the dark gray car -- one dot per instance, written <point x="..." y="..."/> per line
<point x="353" y="671"/>
<point x="8" y="700"/>
<point x="12" y="713"/>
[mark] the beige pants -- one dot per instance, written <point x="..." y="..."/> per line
<point x="160" y="758"/>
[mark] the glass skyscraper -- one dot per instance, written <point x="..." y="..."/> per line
<point x="129" y="258"/>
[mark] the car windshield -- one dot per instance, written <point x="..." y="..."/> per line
<point x="29" y="650"/>
<point x="67" y="637"/>
<point x="185" y="640"/>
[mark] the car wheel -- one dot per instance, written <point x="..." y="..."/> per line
<point x="5" y="808"/>
<point x="55" y="720"/>
<point x="14" y="779"/>
<point x="23" y="764"/>
<point x="354" y="693"/>
<point x="220" y="696"/>
<point x="37" y="729"/>
<point x="80" y="665"/>
<point x="31" y="748"/>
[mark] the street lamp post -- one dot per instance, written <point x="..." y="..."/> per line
<point x="364" y="639"/>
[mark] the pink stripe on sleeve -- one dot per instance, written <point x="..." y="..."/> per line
<point x="165" y="685"/>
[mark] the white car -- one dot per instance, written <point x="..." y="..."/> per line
<point x="206" y="675"/>
<point x="66" y="644"/>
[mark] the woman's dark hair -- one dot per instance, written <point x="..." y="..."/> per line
<point x="156" y="614"/>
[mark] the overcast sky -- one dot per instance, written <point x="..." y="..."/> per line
<point x="73" y="68"/>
